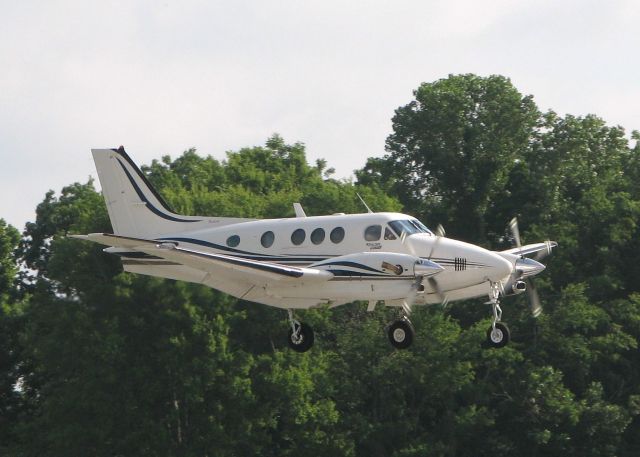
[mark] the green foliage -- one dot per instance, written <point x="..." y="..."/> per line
<point x="9" y="238"/>
<point x="95" y="361"/>
<point x="477" y="153"/>
<point x="11" y="404"/>
<point x="453" y="148"/>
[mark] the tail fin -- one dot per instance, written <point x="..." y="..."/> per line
<point x="135" y="208"/>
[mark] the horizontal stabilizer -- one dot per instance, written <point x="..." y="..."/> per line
<point x="118" y="241"/>
<point x="210" y="262"/>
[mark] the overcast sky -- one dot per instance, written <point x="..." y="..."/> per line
<point x="162" y="76"/>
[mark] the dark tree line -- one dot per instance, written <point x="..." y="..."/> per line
<point x="94" y="361"/>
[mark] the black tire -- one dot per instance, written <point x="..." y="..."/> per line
<point x="306" y="339"/>
<point x="401" y="334"/>
<point x="500" y="338"/>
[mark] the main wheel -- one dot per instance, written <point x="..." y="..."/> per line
<point x="498" y="337"/>
<point x="304" y="340"/>
<point x="401" y="334"/>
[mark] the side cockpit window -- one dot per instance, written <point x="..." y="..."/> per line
<point x="388" y="234"/>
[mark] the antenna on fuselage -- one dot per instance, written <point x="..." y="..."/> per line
<point x="364" y="203"/>
<point x="297" y="207"/>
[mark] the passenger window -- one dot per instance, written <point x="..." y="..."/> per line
<point x="317" y="236"/>
<point x="337" y="235"/>
<point x="233" y="241"/>
<point x="373" y="232"/>
<point x="388" y="234"/>
<point x="267" y="239"/>
<point x="298" y="236"/>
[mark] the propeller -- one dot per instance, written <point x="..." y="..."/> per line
<point x="444" y="299"/>
<point x="515" y="231"/>
<point x="532" y="292"/>
<point x="542" y="254"/>
<point x="411" y="297"/>
<point x="534" y="298"/>
<point x="439" y="233"/>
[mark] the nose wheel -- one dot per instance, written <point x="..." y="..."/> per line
<point x="498" y="334"/>
<point x="300" y="335"/>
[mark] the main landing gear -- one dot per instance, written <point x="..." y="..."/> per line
<point x="401" y="333"/>
<point x="498" y="334"/>
<point x="300" y="334"/>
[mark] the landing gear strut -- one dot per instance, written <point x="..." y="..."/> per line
<point x="300" y="335"/>
<point x="498" y="334"/>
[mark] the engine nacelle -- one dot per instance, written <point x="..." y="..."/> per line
<point x="379" y="263"/>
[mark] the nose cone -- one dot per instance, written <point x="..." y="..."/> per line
<point x="528" y="267"/>
<point x="425" y="267"/>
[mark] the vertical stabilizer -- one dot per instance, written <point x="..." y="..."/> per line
<point x="135" y="208"/>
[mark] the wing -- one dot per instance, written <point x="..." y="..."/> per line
<point x="252" y="271"/>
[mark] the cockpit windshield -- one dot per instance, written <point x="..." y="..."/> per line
<point x="406" y="227"/>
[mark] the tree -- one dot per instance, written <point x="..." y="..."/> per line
<point x="455" y="156"/>
<point x="452" y="150"/>
<point x="11" y="402"/>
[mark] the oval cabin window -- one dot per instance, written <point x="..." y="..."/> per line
<point x="317" y="236"/>
<point x="233" y="241"/>
<point x="337" y="235"/>
<point x="267" y="239"/>
<point x="298" y="236"/>
<point x="373" y="233"/>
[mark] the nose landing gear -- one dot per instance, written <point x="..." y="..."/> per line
<point x="300" y="335"/>
<point x="498" y="334"/>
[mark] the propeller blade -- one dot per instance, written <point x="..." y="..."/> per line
<point x="410" y="299"/>
<point x="534" y="299"/>
<point x="403" y="240"/>
<point x="439" y="233"/>
<point x="515" y="231"/>
<point x="435" y="286"/>
<point x="545" y="252"/>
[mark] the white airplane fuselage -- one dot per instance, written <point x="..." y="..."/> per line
<point x="354" y="261"/>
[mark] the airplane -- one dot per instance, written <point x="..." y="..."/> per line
<point x="305" y="261"/>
